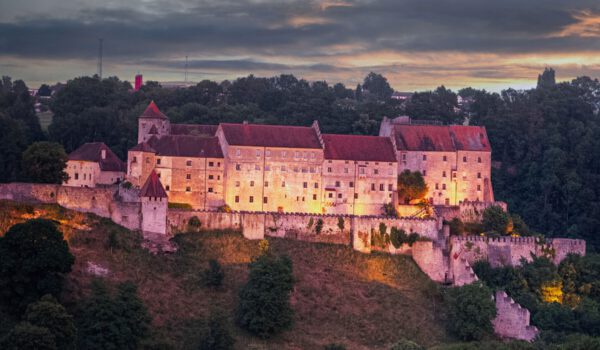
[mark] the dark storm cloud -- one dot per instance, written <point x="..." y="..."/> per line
<point x="267" y="28"/>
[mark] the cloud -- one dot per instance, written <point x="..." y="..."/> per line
<point x="331" y="39"/>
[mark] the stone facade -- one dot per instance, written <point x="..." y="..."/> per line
<point x="93" y="164"/>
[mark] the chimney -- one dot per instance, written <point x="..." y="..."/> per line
<point x="103" y="154"/>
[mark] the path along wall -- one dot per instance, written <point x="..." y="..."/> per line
<point x="504" y="251"/>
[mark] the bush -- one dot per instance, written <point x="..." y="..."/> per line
<point x="194" y="224"/>
<point x="48" y="313"/>
<point x="264" y="302"/>
<point x="341" y="223"/>
<point x="335" y="346"/>
<point x="34" y="257"/>
<point x="470" y="311"/>
<point x="404" y="344"/>
<point x="216" y="334"/>
<point x="411" y="186"/>
<point x="213" y="275"/>
<point x="173" y="205"/>
<point x="397" y="237"/>
<point x="389" y="210"/>
<point x="495" y="219"/>
<point x="319" y="226"/>
<point x="457" y="227"/>
<point x="107" y="322"/>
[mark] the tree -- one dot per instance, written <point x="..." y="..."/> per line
<point x="26" y="336"/>
<point x="13" y="141"/>
<point x="547" y="79"/>
<point x="264" y="301"/>
<point x="341" y="223"/>
<point x="411" y="186"/>
<point x="378" y="86"/>
<point x="457" y="227"/>
<point x="35" y="257"/>
<point x="213" y="275"/>
<point x="44" y="90"/>
<point x="406" y="345"/>
<point x="44" y="162"/>
<point x="470" y="311"/>
<point x="216" y="334"/>
<point x="107" y="322"/>
<point x="48" y="313"/>
<point x="398" y="237"/>
<point x="495" y="219"/>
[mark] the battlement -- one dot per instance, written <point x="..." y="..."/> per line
<point x="512" y="240"/>
<point x="512" y="320"/>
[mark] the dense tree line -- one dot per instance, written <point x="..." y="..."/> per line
<point x="545" y="140"/>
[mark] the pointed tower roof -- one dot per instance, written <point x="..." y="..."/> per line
<point x="153" y="187"/>
<point x="152" y="111"/>
<point x="143" y="147"/>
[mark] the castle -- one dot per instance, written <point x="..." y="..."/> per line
<point x="297" y="169"/>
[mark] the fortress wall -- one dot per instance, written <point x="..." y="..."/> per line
<point x="512" y="320"/>
<point x="126" y="214"/>
<point x="431" y="260"/>
<point x="473" y="211"/>
<point x="503" y="251"/>
<point x="26" y="192"/>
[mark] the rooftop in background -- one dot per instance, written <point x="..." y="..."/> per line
<point x="258" y="135"/>
<point x="194" y="129"/>
<point x="92" y="152"/>
<point x="358" y="147"/>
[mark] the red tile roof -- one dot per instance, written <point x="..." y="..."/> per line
<point x="271" y="135"/>
<point x="152" y="111"/>
<point x="143" y="147"/>
<point x="153" y="187"/>
<point x="441" y="138"/>
<point x="92" y="152"/>
<point x="186" y="146"/>
<point x="357" y="147"/>
<point x="194" y="129"/>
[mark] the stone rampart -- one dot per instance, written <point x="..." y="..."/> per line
<point x="432" y="261"/>
<point x="512" y="320"/>
<point x="502" y="251"/>
<point x="472" y="211"/>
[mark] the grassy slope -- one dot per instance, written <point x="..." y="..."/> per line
<point x="362" y="301"/>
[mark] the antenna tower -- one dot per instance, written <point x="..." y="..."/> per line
<point x="186" y="68"/>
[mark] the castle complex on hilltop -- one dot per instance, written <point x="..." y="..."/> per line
<point x="275" y="168"/>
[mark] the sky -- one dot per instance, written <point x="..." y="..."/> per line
<point x="416" y="44"/>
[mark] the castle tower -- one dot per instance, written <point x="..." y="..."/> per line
<point x="154" y="207"/>
<point x="140" y="163"/>
<point x="152" y="123"/>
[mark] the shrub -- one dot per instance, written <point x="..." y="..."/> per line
<point x="470" y="311"/>
<point x="216" y="334"/>
<point x="457" y="227"/>
<point x="404" y="344"/>
<point x="213" y="275"/>
<point x="397" y="237"/>
<point x="173" y="205"/>
<point x="335" y="346"/>
<point x="341" y="223"/>
<point x="319" y="226"/>
<point x="495" y="219"/>
<point x="389" y="210"/>
<point x="264" y="301"/>
<point x="224" y="209"/>
<point x="194" y="224"/>
<point x="34" y="257"/>
<point x="126" y="185"/>
<point x="48" y="313"/>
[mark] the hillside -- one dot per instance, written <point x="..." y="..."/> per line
<point x="362" y="301"/>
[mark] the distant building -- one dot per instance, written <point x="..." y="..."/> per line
<point x="94" y="164"/>
<point x="139" y="81"/>
<point x="401" y="96"/>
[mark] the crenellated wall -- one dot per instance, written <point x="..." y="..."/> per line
<point x="472" y="211"/>
<point x="512" y="320"/>
<point x="501" y="251"/>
